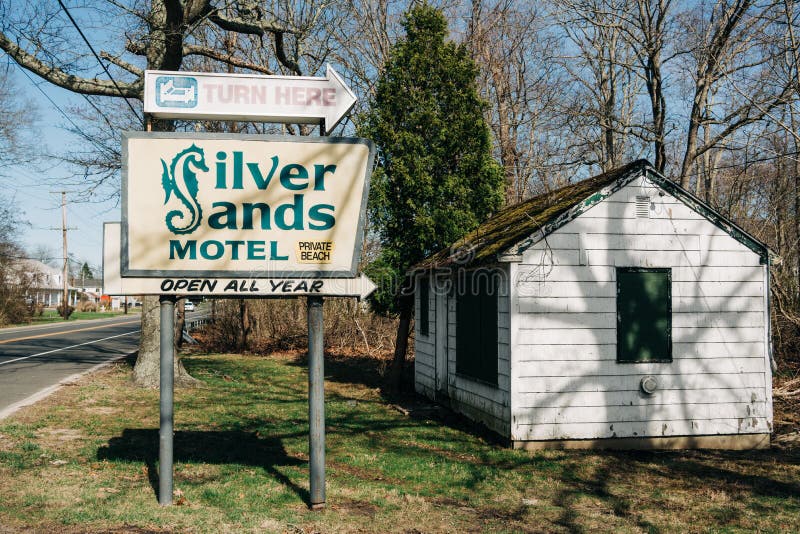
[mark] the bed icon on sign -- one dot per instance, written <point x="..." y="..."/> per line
<point x="176" y="92"/>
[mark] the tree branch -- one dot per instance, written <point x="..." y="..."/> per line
<point x="250" y="27"/>
<point x="227" y="58"/>
<point x="56" y="76"/>
<point x="121" y="63"/>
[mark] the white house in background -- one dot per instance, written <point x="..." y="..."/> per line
<point x="620" y="311"/>
<point x="47" y="283"/>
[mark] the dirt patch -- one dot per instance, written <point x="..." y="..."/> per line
<point x="366" y="474"/>
<point x="58" y="436"/>
<point x="353" y="507"/>
<point x="6" y="443"/>
<point x="102" y="410"/>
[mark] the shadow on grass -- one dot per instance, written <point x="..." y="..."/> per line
<point x="719" y="468"/>
<point x="211" y="447"/>
<point x="368" y="371"/>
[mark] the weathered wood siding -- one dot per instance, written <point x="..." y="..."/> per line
<point x="477" y="400"/>
<point x="424" y="347"/>
<point x="565" y="380"/>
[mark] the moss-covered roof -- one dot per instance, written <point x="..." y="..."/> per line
<point x="510" y="229"/>
<point x="514" y="223"/>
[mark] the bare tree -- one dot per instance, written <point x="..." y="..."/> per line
<point x="510" y="44"/>
<point x="605" y="89"/>
<point x="724" y="50"/>
<point x="158" y="35"/>
<point x="645" y="30"/>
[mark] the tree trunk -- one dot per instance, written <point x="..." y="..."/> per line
<point x="690" y="152"/>
<point x="244" y="325"/>
<point x="146" y="371"/>
<point x="406" y="305"/>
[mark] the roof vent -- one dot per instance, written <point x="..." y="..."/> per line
<point x="642" y="207"/>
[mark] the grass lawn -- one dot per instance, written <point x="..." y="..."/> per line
<point x="84" y="460"/>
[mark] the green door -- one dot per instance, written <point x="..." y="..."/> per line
<point x="644" y="315"/>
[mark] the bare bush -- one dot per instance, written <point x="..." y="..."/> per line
<point x="281" y="325"/>
<point x="87" y="306"/>
<point x="62" y="310"/>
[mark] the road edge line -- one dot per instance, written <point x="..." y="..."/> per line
<point x="49" y="390"/>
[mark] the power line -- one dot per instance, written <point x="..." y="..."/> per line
<point x="61" y="111"/>
<point x="58" y="108"/>
<point x="97" y="57"/>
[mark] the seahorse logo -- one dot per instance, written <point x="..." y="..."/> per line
<point x="180" y="179"/>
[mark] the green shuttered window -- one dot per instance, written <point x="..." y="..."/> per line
<point x="424" y="303"/>
<point x="476" y="328"/>
<point x="644" y="315"/>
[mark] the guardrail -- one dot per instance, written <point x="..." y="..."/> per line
<point x="196" y="322"/>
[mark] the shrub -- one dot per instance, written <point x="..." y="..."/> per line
<point x="87" y="306"/>
<point x="60" y="310"/>
<point x="273" y="324"/>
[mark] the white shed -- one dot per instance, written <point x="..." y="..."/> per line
<point x="620" y="311"/>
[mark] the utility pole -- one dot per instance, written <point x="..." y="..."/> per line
<point x="65" y="271"/>
<point x="65" y="298"/>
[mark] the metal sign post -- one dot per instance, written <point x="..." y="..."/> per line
<point x="166" y="401"/>
<point x="316" y="403"/>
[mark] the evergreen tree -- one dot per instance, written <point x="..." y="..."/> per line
<point x="86" y="272"/>
<point x="436" y="180"/>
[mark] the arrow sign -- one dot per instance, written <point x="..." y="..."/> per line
<point x="360" y="287"/>
<point x="248" y="97"/>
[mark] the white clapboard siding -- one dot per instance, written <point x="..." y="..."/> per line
<point x="678" y="367"/>
<point x="620" y="258"/>
<point x="551" y="257"/>
<point x="719" y="320"/>
<point x="611" y="209"/>
<point x="753" y="273"/>
<point x="640" y="242"/>
<point x="690" y="427"/>
<point x="546" y="321"/>
<point x="717" y="304"/>
<point x="606" y="241"/>
<point x="601" y="399"/>
<point x="587" y="225"/>
<point x="535" y="274"/>
<point x="680" y="304"/>
<point x="695" y="349"/>
<point x="608" y="352"/>
<point x="592" y="288"/>
<point x="485" y="403"/>
<point x="542" y="321"/>
<point x="639" y="413"/>
<point x="724" y="243"/>
<point x="657" y="196"/>
<point x="608" y="336"/>
<point x="425" y="350"/>
<point x="529" y="304"/>
<point x="565" y="384"/>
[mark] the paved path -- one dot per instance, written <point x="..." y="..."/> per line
<point x="35" y="359"/>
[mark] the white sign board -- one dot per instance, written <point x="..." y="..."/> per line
<point x="114" y="284"/>
<point x="226" y="205"/>
<point x="248" y="97"/>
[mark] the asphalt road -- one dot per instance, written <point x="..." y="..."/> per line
<point x="33" y="359"/>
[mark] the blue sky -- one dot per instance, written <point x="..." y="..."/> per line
<point x="36" y="191"/>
